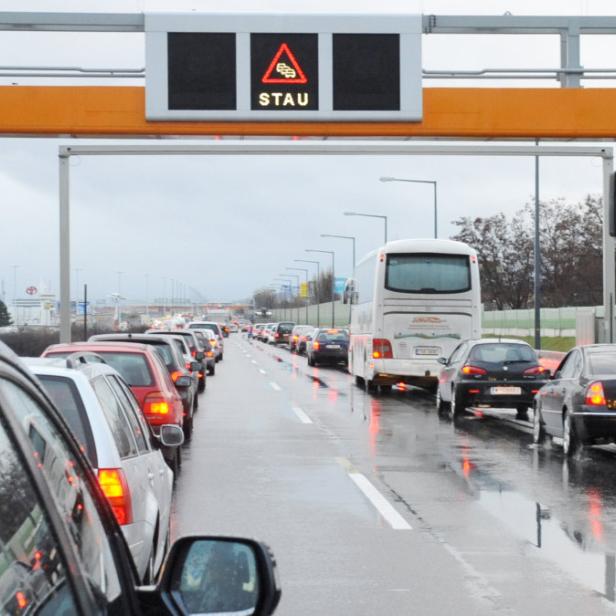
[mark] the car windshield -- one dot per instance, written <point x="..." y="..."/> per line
<point x="427" y="273"/>
<point x="503" y="353"/>
<point x="65" y="396"/>
<point x="132" y="366"/>
<point x="602" y="363"/>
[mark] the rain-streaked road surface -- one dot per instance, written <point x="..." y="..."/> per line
<point x="375" y="505"/>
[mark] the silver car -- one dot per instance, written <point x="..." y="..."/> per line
<point x="104" y="416"/>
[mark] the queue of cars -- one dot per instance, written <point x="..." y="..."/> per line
<point x="82" y="474"/>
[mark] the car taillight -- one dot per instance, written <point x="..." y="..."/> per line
<point x="194" y="353"/>
<point x="595" y="396"/>
<point x="176" y="374"/>
<point x="296" y="338"/>
<point x="316" y="346"/>
<point x="473" y="370"/>
<point x="213" y="342"/>
<point x="381" y="349"/>
<point x="210" y="354"/>
<point x="534" y="370"/>
<point x="113" y="484"/>
<point x="277" y="335"/>
<point x="156" y="404"/>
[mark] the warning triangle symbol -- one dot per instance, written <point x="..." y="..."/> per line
<point x="284" y="68"/>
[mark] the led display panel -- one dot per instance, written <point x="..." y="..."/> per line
<point x="284" y="72"/>
<point x="201" y="70"/>
<point x="366" y="72"/>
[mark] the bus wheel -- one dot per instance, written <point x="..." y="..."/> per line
<point x="369" y="386"/>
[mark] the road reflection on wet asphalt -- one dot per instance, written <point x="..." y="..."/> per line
<point x="487" y="522"/>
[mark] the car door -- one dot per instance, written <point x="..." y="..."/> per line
<point x="93" y="551"/>
<point x="553" y="397"/>
<point x="159" y="474"/>
<point x="449" y="371"/>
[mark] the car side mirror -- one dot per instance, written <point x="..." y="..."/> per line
<point x="218" y="575"/>
<point x="442" y="360"/>
<point x="183" y="382"/>
<point x="547" y="373"/>
<point x="171" y="435"/>
<point x="199" y="355"/>
<point x="195" y="366"/>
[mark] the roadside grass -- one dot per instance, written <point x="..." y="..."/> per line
<point x="548" y="343"/>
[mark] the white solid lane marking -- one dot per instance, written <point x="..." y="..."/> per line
<point x="382" y="505"/>
<point x="275" y="386"/>
<point x="254" y="361"/>
<point x="301" y="415"/>
<point x="262" y="371"/>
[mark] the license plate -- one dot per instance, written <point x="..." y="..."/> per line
<point x="427" y="350"/>
<point x="506" y="391"/>
<point x="332" y="346"/>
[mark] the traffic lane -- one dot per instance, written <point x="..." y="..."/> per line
<point x="473" y="480"/>
<point x="255" y="468"/>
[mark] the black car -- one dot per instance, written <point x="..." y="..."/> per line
<point x="579" y="403"/>
<point x="54" y="490"/>
<point x="281" y="332"/>
<point x="194" y="344"/>
<point x="175" y="365"/>
<point x="499" y="373"/>
<point x="328" y="346"/>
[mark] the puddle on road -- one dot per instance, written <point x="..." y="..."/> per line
<point x="576" y="548"/>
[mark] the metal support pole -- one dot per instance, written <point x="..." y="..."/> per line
<point x="65" y="252"/>
<point x="334" y="281"/>
<point x="537" y="261"/>
<point x="85" y="311"/>
<point x="435" y="214"/>
<point x="570" y="57"/>
<point x="609" y="254"/>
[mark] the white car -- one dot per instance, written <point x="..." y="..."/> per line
<point x="214" y="328"/>
<point x="106" y="421"/>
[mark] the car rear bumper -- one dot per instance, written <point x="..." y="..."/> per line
<point x="478" y="392"/>
<point x="330" y="356"/>
<point x="593" y="425"/>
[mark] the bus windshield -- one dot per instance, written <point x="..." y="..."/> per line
<point x="427" y="273"/>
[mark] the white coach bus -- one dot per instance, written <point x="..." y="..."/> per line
<point x="413" y="301"/>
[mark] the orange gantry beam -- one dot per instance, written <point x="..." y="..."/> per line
<point x="448" y="112"/>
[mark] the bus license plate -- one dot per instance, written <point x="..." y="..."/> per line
<point x="506" y="391"/>
<point x="427" y="351"/>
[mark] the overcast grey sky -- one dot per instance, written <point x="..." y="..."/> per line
<point x="226" y="226"/>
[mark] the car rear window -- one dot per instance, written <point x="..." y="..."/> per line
<point x="65" y="396"/>
<point x="502" y="352"/>
<point x="211" y="326"/>
<point x="132" y="366"/>
<point x="602" y="363"/>
<point x="165" y="353"/>
<point x="285" y="328"/>
<point x="333" y="336"/>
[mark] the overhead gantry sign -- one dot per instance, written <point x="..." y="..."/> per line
<point x="311" y="67"/>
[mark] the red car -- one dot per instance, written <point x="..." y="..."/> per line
<point x="147" y="376"/>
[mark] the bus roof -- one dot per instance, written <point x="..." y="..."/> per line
<point x="422" y="245"/>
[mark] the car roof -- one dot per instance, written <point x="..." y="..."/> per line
<point x="497" y="340"/>
<point x="126" y="347"/>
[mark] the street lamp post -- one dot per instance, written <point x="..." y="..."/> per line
<point x="317" y="287"/>
<point x="284" y="283"/>
<point x="296" y="277"/>
<point x="382" y="216"/>
<point x="303" y="269"/>
<point x="345" y="237"/>
<point x="433" y="182"/>
<point x="333" y="256"/>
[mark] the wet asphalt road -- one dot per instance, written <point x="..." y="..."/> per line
<point x="375" y="505"/>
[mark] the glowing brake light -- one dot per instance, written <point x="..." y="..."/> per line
<point x="473" y="370"/>
<point x="156" y="404"/>
<point x="316" y="346"/>
<point x="22" y="602"/>
<point x="194" y="353"/>
<point x="535" y="370"/>
<point x="595" y="396"/>
<point x="381" y="349"/>
<point x="113" y="484"/>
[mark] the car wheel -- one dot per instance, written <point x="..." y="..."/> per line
<point x="441" y="406"/>
<point x="458" y="403"/>
<point x="201" y="387"/>
<point x="310" y="360"/>
<point x="522" y="413"/>
<point x="149" y="577"/>
<point x="188" y="429"/>
<point x="539" y="434"/>
<point x="571" y="441"/>
<point x="211" y="370"/>
<point x="220" y="357"/>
